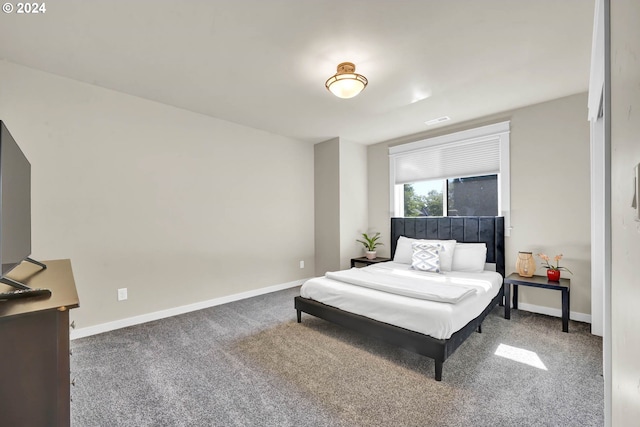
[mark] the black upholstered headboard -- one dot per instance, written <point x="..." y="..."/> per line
<point x="464" y="229"/>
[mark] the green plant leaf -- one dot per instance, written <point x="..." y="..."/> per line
<point x="370" y="242"/>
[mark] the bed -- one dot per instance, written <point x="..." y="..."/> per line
<point x="437" y="345"/>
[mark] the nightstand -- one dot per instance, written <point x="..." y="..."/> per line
<point x="537" y="282"/>
<point x="367" y="261"/>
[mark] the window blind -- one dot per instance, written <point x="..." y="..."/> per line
<point x="453" y="160"/>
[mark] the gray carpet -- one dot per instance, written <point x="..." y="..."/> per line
<point x="249" y="363"/>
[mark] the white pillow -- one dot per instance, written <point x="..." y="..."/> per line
<point x="469" y="257"/>
<point x="426" y="257"/>
<point x="404" y="251"/>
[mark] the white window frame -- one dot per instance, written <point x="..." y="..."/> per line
<point x="498" y="131"/>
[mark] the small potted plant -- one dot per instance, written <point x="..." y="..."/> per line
<point x="553" y="271"/>
<point x="370" y="244"/>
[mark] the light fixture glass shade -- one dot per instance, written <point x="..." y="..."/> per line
<point x="346" y="83"/>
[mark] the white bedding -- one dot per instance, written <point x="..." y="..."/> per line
<point x="409" y="283"/>
<point x="436" y="319"/>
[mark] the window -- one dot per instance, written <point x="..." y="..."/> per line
<point x="465" y="173"/>
<point x="476" y="195"/>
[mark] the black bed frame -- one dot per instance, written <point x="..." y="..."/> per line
<point x="489" y="230"/>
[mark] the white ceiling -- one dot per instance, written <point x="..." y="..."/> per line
<point x="263" y="63"/>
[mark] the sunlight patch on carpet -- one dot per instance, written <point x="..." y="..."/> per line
<point x="520" y="355"/>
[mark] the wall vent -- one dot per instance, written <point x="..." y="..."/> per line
<point x="438" y="120"/>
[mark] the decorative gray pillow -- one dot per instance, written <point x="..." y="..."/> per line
<point x="426" y="256"/>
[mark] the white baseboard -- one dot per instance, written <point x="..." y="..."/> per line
<point x="556" y="312"/>
<point x="149" y="317"/>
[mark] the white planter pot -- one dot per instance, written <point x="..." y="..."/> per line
<point x="370" y="254"/>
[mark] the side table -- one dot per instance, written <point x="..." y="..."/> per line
<point x="367" y="261"/>
<point x="537" y="282"/>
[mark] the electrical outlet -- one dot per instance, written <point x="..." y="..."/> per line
<point x="122" y="294"/>
<point x="301" y="264"/>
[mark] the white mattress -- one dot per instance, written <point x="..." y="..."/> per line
<point x="436" y="319"/>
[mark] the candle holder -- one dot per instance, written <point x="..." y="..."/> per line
<point x="525" y="265"/>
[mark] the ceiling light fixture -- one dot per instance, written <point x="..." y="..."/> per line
<point x="346" y="83"/>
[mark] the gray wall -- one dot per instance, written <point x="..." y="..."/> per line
<point x="550" y="211"/>
<point x="327" y="206"/>
<point x="625" y="232"/>
<point x="175" y="206"/>
<point x="353" y="200"/>
<point x="340" y="203"/>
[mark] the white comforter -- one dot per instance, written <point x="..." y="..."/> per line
<point x="409" y="283"/>
<point x="436" y="319"/>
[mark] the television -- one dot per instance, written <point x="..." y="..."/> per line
<point x="15" y="207"/>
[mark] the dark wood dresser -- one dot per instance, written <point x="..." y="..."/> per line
<point x="34" y="348"/>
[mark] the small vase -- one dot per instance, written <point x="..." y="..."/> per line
<point x="553" y="275"/>
<point x="371" y="254"/>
